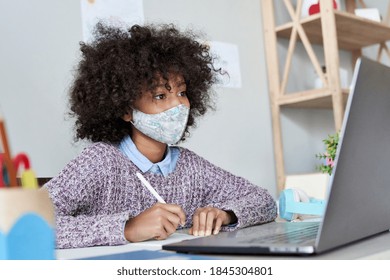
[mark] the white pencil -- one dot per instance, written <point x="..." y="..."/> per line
<point x="150" y="188"/>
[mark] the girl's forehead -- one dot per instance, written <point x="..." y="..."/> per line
<point x="159" y="82"/>
<point x="173" y="79"/>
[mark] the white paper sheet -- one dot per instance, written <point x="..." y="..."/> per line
<point x="229" y="61"/>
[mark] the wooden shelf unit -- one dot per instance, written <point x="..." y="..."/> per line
<point x="315" y="99"/>
<point x="349" y="29"/>
<point x="333" y="30"/>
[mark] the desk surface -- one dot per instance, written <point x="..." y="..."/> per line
<point x="156" y="245"/>
<point x="377" y="247"/>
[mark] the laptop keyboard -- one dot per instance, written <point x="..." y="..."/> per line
<point x="299" y="236"/>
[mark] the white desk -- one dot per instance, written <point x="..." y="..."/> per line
<point x="377" y="247"/>
<point x="79" y="253"/>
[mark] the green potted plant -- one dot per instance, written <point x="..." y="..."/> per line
<point x="330" y="152"/>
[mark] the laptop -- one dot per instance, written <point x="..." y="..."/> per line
<point x="359" y="189"/>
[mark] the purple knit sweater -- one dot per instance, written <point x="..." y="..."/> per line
<point x="97" y="192"/>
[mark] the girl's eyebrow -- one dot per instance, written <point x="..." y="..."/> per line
<point x="180" y="83"/>
<point x="177" y="83"/>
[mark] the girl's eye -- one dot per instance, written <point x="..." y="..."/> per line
<point x="159" y="96"/>
<point x="182" y="93"/>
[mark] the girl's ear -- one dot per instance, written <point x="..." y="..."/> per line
<point x="128" y="117"/>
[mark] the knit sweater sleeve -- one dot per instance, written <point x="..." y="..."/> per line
<point x="76" y="193"/>
<point x="250" y="203"/>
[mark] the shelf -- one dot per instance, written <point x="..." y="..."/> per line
<point x="316" y="99"/>
<point x="353" y="32"/>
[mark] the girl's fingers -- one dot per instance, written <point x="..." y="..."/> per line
<point x="202" y="223"/>
<point x="195" y="224"/>
<point x="210" y="220"/>
<point x="217" y="227"/>
<point x="177" y="210"/>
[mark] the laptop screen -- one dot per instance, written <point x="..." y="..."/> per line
<point x="358" y="203"/>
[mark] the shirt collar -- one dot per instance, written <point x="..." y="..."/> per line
<point x="163" y="167"/>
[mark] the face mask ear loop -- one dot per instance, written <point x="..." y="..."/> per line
<point x="132" y="115"/>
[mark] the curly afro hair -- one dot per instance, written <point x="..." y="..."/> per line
<point x="116" y="66"/>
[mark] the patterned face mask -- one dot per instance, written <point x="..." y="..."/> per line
<point x="166" y="127"/>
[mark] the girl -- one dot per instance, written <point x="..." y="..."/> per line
<point x="136" y="93"/>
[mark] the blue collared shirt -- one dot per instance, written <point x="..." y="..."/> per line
<point x="164" y="167"/>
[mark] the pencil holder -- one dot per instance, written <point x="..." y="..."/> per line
<point x="26" y="225"/>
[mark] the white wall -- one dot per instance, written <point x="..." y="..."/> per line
<point x="39" y="49"/>
<point x="39" y="46"/>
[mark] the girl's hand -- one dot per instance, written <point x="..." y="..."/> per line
<point x="208" y="220"/>
<point x="156" y="222"/>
